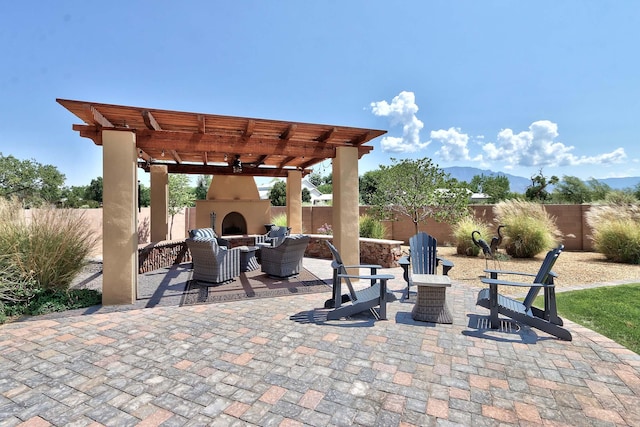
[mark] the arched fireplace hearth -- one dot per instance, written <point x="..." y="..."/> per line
<point x="234" y="223"/>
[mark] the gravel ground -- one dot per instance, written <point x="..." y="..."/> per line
<point x="574" y="269"/>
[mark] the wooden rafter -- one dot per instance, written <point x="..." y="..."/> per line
<point x="325" y="137"/>
<point x="146" y="157"/>
<point x="288" y="134"/>
<point x="248" y="132"/>
<point x="97" y="118"/>
<point x="202" y="126"/>
<point x="175" y="156"/>
<point x="150" y="121"/>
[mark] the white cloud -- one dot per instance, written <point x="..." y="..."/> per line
<point x="402" y="110"/>
<point x="537" y="147"/>
<point x="455" y="145"/>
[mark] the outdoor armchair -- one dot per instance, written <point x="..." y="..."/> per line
<point x="211" y="262"/>
<point x="285" y="259"/>
<point x="274" y="237"/>
<point x="208" y="232"/>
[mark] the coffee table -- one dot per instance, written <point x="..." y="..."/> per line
<point x="248" y="261"/>
<point x="431" y="302"/>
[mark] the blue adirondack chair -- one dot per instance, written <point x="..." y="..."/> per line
<point x="546" y="319"/>
<point x="423" y="258"/>
<point x="357" y="301"/>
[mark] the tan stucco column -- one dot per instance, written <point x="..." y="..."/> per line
<point x="346" y="205"/>
<point x="159" y="203"/>
<point x="294" y="201"/>
<point x="119" y="217"/>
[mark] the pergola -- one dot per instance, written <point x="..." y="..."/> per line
<point x="163" y="142"/>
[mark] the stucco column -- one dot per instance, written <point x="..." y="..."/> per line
<point x="346" y="205"/>
<point x="119" y="217"/>
<point x="159" y="203"/>
<point x="294" y="201"/>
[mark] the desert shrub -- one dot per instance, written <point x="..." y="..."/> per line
<point x="529" y="228"/>
<point x="280" y="220"/>
<point x="51" y="248"/>
<point x="461" y="232"/>
<point x="616" y="231"/>
<point x="371" y="227"/>
<point x="619" y="197"/>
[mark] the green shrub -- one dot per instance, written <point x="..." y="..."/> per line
<point x="371" y="227"/>
<point x="43" y="301"/>
<point x="530" y="230"/>
<point x="50" y="248"/>
<point x="616" y="231"/>
<point x="461" y="232"/>
<point x="280" y="220"/>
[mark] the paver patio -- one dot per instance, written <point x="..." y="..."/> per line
<point x="275" y="362"/>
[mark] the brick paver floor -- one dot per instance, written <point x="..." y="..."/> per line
<point x="275" y="362"/>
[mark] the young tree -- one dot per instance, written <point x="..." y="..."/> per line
<point x="278" y="194"/>
<point x="572" y="189"/>
<point x="537" y="191"/>
<point x="419" y="190"/>
<point x="180" y="196"/>
<point x="599" y="190"/>
<point x="202" y="187"/>
<point x="94" y="190"/>
<point x="496" y="187"/>
<point x="315" y="178"/>
<point x="29" y="181"/>
<point x="368" y="186"/>
<point x="306" y="195"/>
<point x="144" y="196"/>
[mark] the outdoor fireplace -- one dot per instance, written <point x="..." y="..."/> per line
<point x="234" y="206"/>
<point x="234" y="223"/>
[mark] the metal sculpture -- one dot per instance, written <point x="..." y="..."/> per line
<point x="496" y="241"/>
<point x="482" y="244"/>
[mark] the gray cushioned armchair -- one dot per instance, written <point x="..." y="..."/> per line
<point x="285" y="259"/>
<point x="211" y="262"/>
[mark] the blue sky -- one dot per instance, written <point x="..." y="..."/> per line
<point x="510" y="86"/>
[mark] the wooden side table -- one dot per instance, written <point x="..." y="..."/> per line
<point x="431" y="303"/>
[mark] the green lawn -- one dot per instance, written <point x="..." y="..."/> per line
<point x="613" y="311"/>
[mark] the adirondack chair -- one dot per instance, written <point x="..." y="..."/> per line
<point x="359" y="300"/>
<point x="422" y="258"/>
<point x="546" y="320"/>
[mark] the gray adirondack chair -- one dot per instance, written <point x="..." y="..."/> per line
<point x="357" y="301"/>
<point x="423" y="258"/>
<point x="546" y="319"/>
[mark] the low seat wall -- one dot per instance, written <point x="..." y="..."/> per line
<point x="166" y="253"/>
<point x="152" y="256"/>
<point x="372" y="251"/>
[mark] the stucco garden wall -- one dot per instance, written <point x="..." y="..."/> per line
<point x="570" y="219"/>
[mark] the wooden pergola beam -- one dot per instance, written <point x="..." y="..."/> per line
<point x="188" y="142"/>
<point x="196" y="169"/>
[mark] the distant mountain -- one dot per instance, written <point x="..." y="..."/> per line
<point x="621" y="183"/>
<point x="517" y="184"/>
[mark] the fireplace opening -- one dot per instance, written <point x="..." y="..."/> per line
<point x="234" y="223"/>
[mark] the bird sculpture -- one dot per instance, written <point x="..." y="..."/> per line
<point x="496" y="241"/>
<point x="482" y="244"/>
